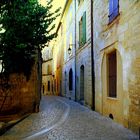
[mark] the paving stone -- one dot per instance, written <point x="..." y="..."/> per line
<point x="63" y="119"/>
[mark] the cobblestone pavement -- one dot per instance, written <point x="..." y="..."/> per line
<point x="63" y="119"/>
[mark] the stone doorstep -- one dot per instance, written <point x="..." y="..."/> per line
<point x="6" y="126"/>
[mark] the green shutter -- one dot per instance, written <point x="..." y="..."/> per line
<point x="84" y="28"/>
<point x="80" y="32"/>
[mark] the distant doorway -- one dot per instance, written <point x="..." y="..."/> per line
<point x="48" y="85"/>
<point x="82" y="75"/>
<point x="70" y="80"/>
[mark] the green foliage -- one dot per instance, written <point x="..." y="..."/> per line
<point x="25" y="28"/>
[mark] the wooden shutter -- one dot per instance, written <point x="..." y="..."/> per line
<point x="80" y="32"/>
<point x="115" y="8"/>
<point x="110" y="10"/>
<point x="84" y="29"/>
<point x="112" y="74"/>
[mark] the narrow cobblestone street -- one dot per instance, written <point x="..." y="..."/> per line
<point x="63" y="119"/>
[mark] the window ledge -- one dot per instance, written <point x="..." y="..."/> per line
<point x="112" y="98"/>
<point x="111" y="23"/>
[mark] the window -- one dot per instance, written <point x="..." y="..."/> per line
<point x="70" y="80"/>
<point x="82" y="30"/>
<point x="113" y="9"/>
<point x="112" y="74"/>
<point x="48" y="85"/>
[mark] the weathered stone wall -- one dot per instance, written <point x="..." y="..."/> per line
<point x="134" y="95"/>
<point x="123" y="34"/>
<point x="83" y="54"/>
<point x="22" y="96"/>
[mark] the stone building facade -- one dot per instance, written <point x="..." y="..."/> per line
<point x="83" y="53"/>
<point x="47" y="72"/>
<point x="117" y="60"/>
<point x="116" y="55"/>
<point x="74" y="43"/>
<point x="57" y="60"/>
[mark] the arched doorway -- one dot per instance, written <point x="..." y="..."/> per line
<point x="112" y="85"/>
<point x="82" y="83"/>
<point x="70" y="80"/>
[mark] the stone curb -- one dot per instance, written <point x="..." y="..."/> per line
<point x="6" y="126"/>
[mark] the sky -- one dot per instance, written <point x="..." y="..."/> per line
<point x="56" y="4"/>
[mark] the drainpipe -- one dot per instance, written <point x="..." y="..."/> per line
<point x="92" y="60"/>
<point x="75" y="49"/>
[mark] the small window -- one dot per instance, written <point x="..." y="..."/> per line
<point x="113" y="9"/>
<point x="112" y="74"/>
<point x="82" y="30"/>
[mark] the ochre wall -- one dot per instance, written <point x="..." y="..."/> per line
<point x="22" y="96"/>
<point x="123" y="34"/>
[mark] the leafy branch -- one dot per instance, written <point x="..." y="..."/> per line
<point x="25" y="28"/>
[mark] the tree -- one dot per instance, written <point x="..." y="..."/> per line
<point x="25" y="29"/>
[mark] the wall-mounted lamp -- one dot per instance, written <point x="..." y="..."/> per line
<point x="69" y="49"/>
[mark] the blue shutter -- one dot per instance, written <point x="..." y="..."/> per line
<point x="113" y="9"/>
<point x="110" y="7"/>
<point x="110" y="10"/>
<point x="116" y="8"/>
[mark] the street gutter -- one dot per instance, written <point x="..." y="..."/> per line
<point x="6" y="126"/>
